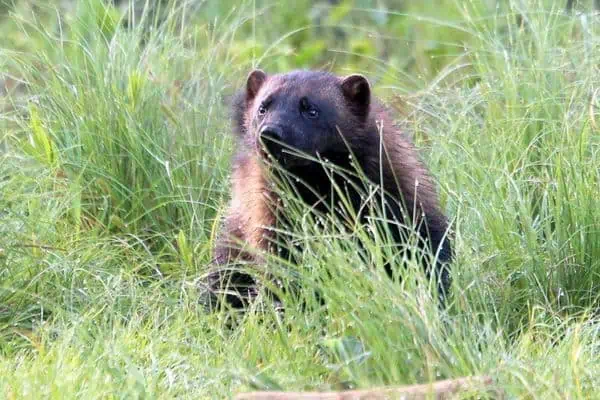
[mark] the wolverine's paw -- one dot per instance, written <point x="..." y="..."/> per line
<point x="227" y="287"/>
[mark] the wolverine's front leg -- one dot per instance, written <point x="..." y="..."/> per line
<point x="234" y="276"/>
<point x="227" y="280"/>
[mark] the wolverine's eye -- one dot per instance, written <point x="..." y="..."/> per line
<point x="308" y="109"/>
<point x="312" y="113"/>
<point x="262" y="109"/>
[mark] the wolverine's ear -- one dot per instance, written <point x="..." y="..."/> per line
<point x="357" y="89"/>
<point x="255" y="80"/>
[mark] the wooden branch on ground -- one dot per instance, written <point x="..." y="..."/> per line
<point x="438" y="390"/>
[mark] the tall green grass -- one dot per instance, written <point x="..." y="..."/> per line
<point x="113" y="177"/>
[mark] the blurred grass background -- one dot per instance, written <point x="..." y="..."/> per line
<point x="114" y="158"/>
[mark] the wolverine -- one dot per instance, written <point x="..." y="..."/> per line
<point x="290" y="123"/>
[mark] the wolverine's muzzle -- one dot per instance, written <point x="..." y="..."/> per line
<point x="279" y="144"/>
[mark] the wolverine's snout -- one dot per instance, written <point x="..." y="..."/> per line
<point x="271" y="138"/>
<point x="282" y="144"/>
<point x="271" y="133"/>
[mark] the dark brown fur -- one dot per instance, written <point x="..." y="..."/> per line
<point x="347" y="114"/>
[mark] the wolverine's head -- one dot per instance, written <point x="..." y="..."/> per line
<point x="300" y="115"/>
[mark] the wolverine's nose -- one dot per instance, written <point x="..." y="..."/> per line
<point x="270" y="133"/>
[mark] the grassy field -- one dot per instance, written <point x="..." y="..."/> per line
<point x="114" y="159"/>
